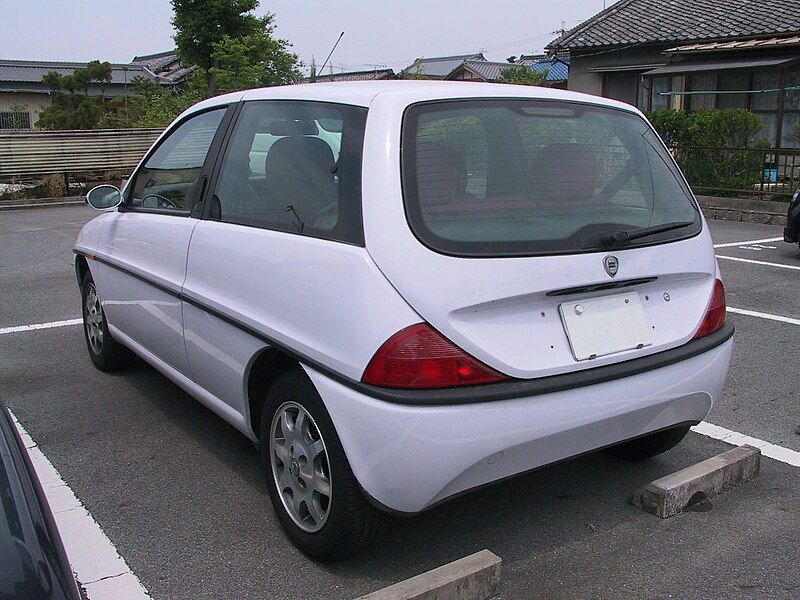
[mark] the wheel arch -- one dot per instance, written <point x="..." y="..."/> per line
<point x="81" y="268"/>
<point x="265" y="367"/>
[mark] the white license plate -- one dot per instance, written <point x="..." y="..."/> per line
<point x="600" y="326"/>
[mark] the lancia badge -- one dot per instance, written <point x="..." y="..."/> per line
<point x="611" y="265"/>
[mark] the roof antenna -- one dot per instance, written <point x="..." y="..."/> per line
<point x="331" y="52"/>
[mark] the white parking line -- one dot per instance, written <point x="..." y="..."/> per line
<point x="50" y="325"/>
<point x="97" y="565"/>
<point x="759" y="262"/>
<point x="784" y="455"/>
<point x="753" y="313"/>
<point x="748" y="242"/>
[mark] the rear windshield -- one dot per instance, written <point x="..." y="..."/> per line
<point x="520" y="178"/>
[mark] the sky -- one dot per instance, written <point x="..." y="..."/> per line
<point x="378" y="33"/>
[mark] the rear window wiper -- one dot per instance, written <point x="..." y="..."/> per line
<point x="634" y="234"/>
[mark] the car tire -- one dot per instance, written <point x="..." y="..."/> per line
<point x="649" y="445"/>
<point x="349" y="523"/>
<point x="106" y="353"/>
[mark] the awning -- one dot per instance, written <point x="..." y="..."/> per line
<point x="719" y="65"/>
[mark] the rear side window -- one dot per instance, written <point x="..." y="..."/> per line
<point x="294" y="166"/>
<point x="520" y="178"/>
<point x="168" y="180"/>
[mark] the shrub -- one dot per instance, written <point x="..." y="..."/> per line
<point x="715" y="148"/>
<point x="522" y="75"/>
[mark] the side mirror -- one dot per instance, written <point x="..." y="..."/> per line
<point x="104" y="197"/>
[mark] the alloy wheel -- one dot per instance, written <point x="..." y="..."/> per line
<point x="300" y="466"/>
<point x="93" y="319"/>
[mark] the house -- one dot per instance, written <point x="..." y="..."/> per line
<point x="23" y="95"/>
<point x="439" y="67"/>
<point x="693" y="55"/>
<point x="488" y="71"/>
<point x="369" y="75"/>
<point x="167" y="66"/>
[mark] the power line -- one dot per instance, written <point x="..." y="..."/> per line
<point x="495" y="48"/>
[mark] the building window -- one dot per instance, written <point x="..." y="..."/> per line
<point x="702" y="83"/>
<point x="790" y="126"/>
<point x="661" y="85"/>
<point x="15" y="120"/>
<point x="732" y="81"/>
<point x="622" y="86"/>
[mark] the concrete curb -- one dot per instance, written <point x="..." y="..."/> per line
<point x="41" y="202"/>
<point x="768" y="212"/>
<point x="669" y="495"/>
<point x="474" y="577"/>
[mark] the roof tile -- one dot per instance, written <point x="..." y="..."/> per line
<point x="650" y="21"/>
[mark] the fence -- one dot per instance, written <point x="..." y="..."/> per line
<point x="47" y="152"/>
<point x="740" y="171"/>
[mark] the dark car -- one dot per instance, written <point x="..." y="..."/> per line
<point x="792" y="231"/>
<point x="33" y="564"/>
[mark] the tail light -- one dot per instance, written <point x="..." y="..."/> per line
<point x="421" y="357"/>
<point x="715" y="314"/>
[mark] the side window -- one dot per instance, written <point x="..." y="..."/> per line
<point x="294" y="166"/>
<point x="168" y="179"/>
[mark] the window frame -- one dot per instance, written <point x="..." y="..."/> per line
<point x="211" y="187"/>
<point x="408" y="183"/>
<point x="9" y="116"/>
<point x="195" y="204"/>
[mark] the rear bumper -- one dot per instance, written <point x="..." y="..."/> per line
<point x="408" y="458"/>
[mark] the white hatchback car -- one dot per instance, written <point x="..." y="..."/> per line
<point x="402" y="291"/>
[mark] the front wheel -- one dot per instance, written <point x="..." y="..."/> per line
<point x="312" y="488"/>
<point x="649" y="445"/>
<point x="106" y="353"/>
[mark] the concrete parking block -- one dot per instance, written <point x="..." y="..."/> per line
<point x="669" y="495"/>
<point x="474" y="577"/>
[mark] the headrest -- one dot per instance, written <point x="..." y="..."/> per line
<point x="290" y="128"/>
<point x="565" y="172"/>
<point x="305" y="156"/>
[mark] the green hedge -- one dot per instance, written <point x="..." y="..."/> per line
<point x="715" y="148"/>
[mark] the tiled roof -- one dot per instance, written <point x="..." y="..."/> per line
<point x="529" y="59"/>
<point x="440" y="66"/>
<point x="556" y="70"/>
<point x="532" y="59"/>
<point x="166" y="65"/>
<point x="771" y="44"/>
<point x="32" y="71"/>
<point x="156" y="62"/>
<point x="631" y="22"/>
<point x="373" y="75"/>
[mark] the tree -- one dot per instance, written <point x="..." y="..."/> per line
<point x="53" y="81"/>
<point x="100" y="73"/>
<point x="256" y="60"/>
<point x="522" y="75"/>
<point x="70" y="110"/>
<point x="225" y="39"/>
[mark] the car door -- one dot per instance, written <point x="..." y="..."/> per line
<point x="143" y="247"/>
<point x="283" y="230"/>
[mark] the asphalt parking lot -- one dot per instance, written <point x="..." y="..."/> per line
<point x="180" y="493"/>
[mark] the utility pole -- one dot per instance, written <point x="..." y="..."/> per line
<point x="312" y="76"/>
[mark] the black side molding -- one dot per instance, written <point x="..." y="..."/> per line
<point x="506" y="390"/>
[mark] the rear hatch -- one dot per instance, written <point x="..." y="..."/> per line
<point x="545" y="236"/>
